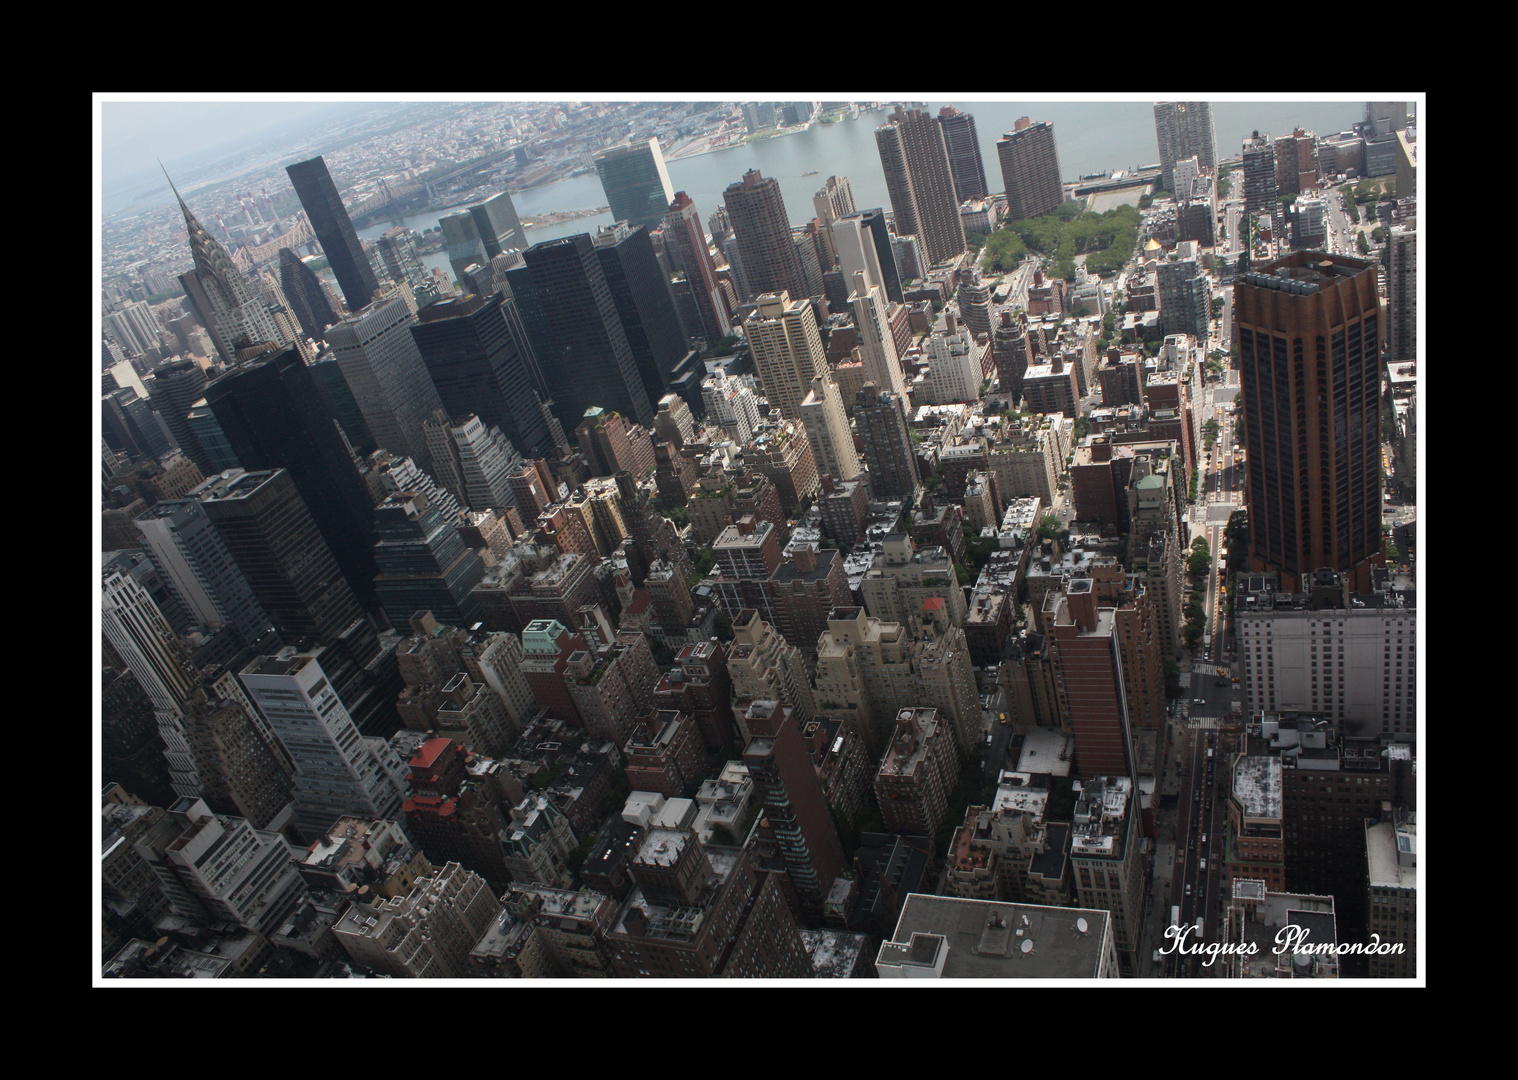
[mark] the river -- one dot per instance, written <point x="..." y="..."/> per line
<point x="1090" y="136"/>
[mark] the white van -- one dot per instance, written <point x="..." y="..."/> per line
<point x="1202" y="866"/>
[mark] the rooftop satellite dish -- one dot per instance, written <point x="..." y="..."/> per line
<point x="1080" y="924"/>
<point x="1027" y="946"/>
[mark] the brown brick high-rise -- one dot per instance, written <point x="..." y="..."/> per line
<point x="1309" y="351"/>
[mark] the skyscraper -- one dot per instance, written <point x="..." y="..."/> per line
<point x="785" y="779"/>
<point x="963" y="144"/>
<point x="1185" y="298"/>
<point x="640" y="294"/>
<point x="397" y="248"/>
<point x="177" y="386"/>
<point x="237" y="315"/>
<point x="763" y="236"/>
<point x="134" y="627"/>
<point x="1402" y="298"/>
<point x="461" y="232"/>
<point x="474" y="362"/>
<point x="307" y="297"/>
<point x="683" y="229"/>
<point x="1184" y="129"/>
<point x="636" y="183"/>
<point x="193" y="558"/>
<point x="272" y="416"/>
<point x="787" y="350"/>
<point x="329" y="220"/>
<point x="887" y="444"/>
<point x="1309" y="333"/>
<point x="267" y="527"/>
<point x="581" y="348"/>
<point x="498" y="225"/>
<point x="1089" y="680"/>
<point x="1259" y="174"/>
<point x="827" y="426"/>
<point x="385" y="371"/>
<point x="1030" y="170"/>
<point x="835" y="199"/>
<point x="921" y="183"/>
<point x="424" y="565"/>
<point x="337" y="771"/>
<point x="876" y="342"/>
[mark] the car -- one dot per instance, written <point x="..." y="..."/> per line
<point x="1191" y="846"/>
<point x="1202" y="865"/>
<point x="1188" y="888"/>
<point x="1204" y="839"/>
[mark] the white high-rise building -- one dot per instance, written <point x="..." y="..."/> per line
<point x="955" y="372"/>
<point x="1353" y="663"/>
<point x="827" y="426"/>
<point x="731" y="405"/>
<point x="337" y="770"/>
<point x="236" y="873"/>
<point x="384" y="368"/>
<point x="877" y="345"/>
<point x="486" y="459"/>
<point x="787" y="350"/>
<point x="856" y="252"/>
<point x="194" y="560"/>
<point x="140" y="635"/>
<point x="401" y="475"/>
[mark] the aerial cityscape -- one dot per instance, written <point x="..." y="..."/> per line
<point x="784" y="540"/>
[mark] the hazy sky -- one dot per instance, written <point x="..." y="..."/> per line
<point x="134" y="135"/>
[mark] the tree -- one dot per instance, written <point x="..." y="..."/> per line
<point x="964" y="575"/>
<point x="1172" y="678"/>
<point x="704" y="560"/>
<point x="1225" y="187"/>
<point x="1378" y="234"/>
<point x="1048" y="525"/>
<point x="1392" y="554"/>
<point x="1198" y="565"/>
<point x="1362" y="245"/>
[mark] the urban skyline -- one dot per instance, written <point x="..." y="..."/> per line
<point x="1015" y="627"/>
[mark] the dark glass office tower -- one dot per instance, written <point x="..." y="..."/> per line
<point x="424" y="565"/>
<point x="641" y="296"/>
<point x="462" y="235"/>
<point x="1308" y="327"/>
<point x="177" y="386"/>
<point x="277" y="544"/>
<point x="338" y="402"/>
<point x="581" y="347"/>
<point x="272" y="414"/>
<point x="965" y="162"/>
<point x="329" y="220"/>
<point x="474" y="362"/>
<point x="307" y="297"/>
<point x="876" y="220"/>
<point x="498" y="225"/>
<point x="636" y="182"/>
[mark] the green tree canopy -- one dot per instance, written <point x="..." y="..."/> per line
<point x="1048" y="525"/>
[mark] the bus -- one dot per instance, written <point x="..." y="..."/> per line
<point x="1175" y="914"/>
<point x="1199" y="931"/>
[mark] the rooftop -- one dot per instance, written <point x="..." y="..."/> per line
<point x="1257" y="786"/>
<point x="979" y="939"/>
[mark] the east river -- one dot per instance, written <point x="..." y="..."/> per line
<point x="1091" y="137"/>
